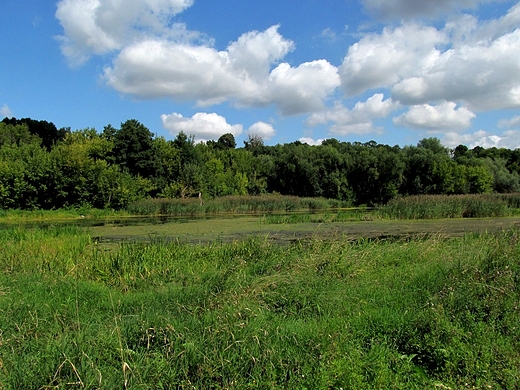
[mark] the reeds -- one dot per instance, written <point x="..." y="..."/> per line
<point x="451" y="206"/>
<point x="230" y="204"/>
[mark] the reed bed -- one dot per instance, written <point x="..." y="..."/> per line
<point x="230" y="204"/>
<point x="451" y="206"/>
<point x="423" y="313"/>
<point x="20" y="216"/>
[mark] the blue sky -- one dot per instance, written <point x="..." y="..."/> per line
<point x="355" y="70"/>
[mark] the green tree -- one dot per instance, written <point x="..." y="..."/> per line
<point x="46" y="131"/>
<point x="254" y="144"/>
<point x="168" y="163"/>
<point x="133" y="148"/>
<point x="433" y="144"/>
<point x="503" y="180"/>
<point x="31" y="166"/>
<point x="186" y="147"/>
<point x="480" y="179"/>
<point x="376" y="173"/>
<point x="16" y="135"/>
<point x="427" y="172"/>
<point x="226" y="141"/>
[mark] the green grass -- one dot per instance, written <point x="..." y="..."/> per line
<point x="409" y="314"/>
<point x="451" y="206"/>
<point x="21" y="216"/>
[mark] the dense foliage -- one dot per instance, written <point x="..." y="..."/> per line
<point x="42" y="167"/>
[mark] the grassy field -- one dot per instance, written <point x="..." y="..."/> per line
<point x="365" y="314"/>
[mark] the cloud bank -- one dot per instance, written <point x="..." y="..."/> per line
<point x="441" y="75"/>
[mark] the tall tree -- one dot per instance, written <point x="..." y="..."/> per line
<point x="47" y="131"/>
<point x="133" y="148"/>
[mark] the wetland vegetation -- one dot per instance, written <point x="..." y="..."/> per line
<point x="328" y="309"/>
<point x="429" y="312"/>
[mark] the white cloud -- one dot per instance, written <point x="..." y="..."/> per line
<point x="160" y="68"/>
<point x="204" y="126"/>
<point x="310" y="141"/>
<point x="476" y="63"/>
<point x="328" y="34"/>
<point x="513" y="122"/>
<point x="444" y="74"/>
<point x="254" y="52"/>
<point x="156" y="57"/>
<point x="444" y="116"/>
<point x="355" y="121"/>
<point x="405" y="9"/>
<point x="486" y="76"/>
<point x="5" y="111"/>
<point x="509" y="139"/>
<point x="382" y="60"/>
<point x="101" y="26"/>
<point x="304" y="88"/>
<point x="262" y="129"/>
<point x="375" y="107"/>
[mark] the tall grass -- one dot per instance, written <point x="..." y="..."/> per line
<point x="451" y="206"/>
<point x="17" y="216"/>
<point x="426" y="313"/>
<point x="230" y="204"/>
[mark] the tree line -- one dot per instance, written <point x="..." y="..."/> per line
<point x="42" y="167"/>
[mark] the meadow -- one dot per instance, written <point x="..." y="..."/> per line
<point x="411" y="313"/>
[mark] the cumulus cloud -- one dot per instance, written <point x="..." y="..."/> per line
<point x="445" y="116"/>
<point x="405" y="9"/>
<point x="262" y="129"/>
<point x="204" y="126"/>
<point x="101" y="26"/>
<point x="509" y="139"/>
<point x="241" y="74"/>
<point x="158" y="68"/>
<point x="5" y="111"/>
<point x="254" y="52"/>
<point x="486" y="76"/>
<point x="444" y="74"/>
<point x="468" y="61"/>
<point x="161" y="68"/>
<point x="304" y="88"/>
<point x="154" y="57"/>
<point x="311" y="141"/>
<point x="355" y="121"/>
<point x="381" y="60"/>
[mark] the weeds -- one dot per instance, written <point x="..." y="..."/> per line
<point x="230" y="204"/>
<point x="249" y="314"/>
<point x="451" y="206"/>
